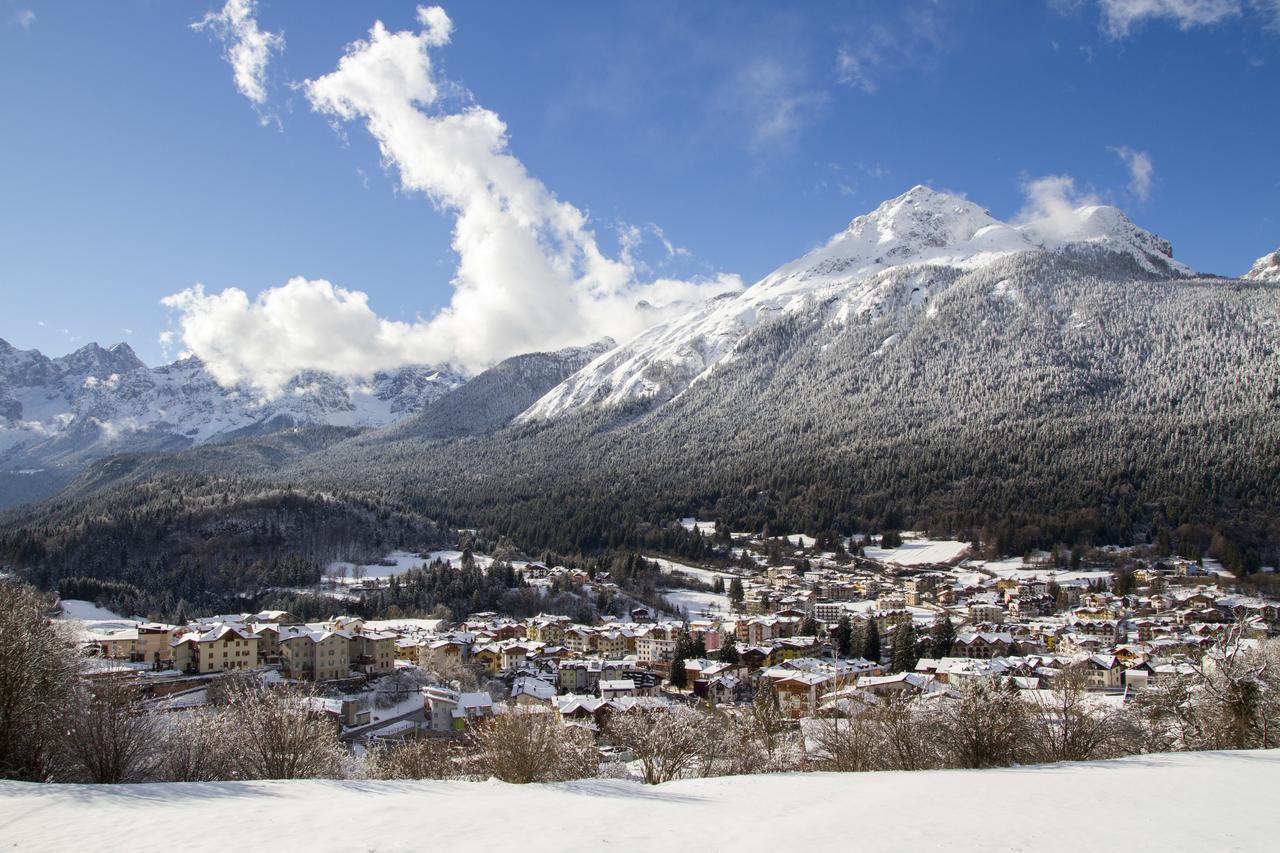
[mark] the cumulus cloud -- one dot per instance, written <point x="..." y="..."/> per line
<point x="248" y="48"/>
<point x="1050" y="205"/>
<point x="1121" y="16"/>
<point x="1141" y="170"/>
<point x="300" y="325"/>
<point x="530" y="276"/>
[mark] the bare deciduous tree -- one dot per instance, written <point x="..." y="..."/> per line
<point x="38" y="676"/>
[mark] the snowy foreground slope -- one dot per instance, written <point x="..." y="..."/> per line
<point x="1189" y="801"/>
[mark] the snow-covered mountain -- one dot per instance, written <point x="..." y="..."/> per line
<point x="1266" y="268"/>
<point x="903" y="254"/>
<point x="493" y="398"/>
<point x="95" y="401"/>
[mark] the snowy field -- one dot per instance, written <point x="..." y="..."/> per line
<point x="454" y="558"/>
<point x="919" y="553"/>
<point x="1171" y="803"/>
<point x="707" y="576"/>
<point x="403" y="560"/>
<point x="87" y="618"/>
<point x="1014" y="567"/>
<point x="696" y="603"/>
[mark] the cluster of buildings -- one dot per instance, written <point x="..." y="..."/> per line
<point x="1026" y="624"/>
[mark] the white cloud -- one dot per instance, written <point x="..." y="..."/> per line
<point x="1121" y="16"/>
<point x="248" y="48"/>
<point x="1141" y="170"/>
<point x="300" y="325"/>
<point x="26" y="18"/>
<point x="881" y="48"/>
<point x="773" y="99"/>
<point x="530" y="274"/>
<point x="1050" y="205"/>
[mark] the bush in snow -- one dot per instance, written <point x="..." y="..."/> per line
<point x="108" y="736"/>
<point x="424" y="758"/>
<point x="278" y="734"/>
<point x="523" y="747"/>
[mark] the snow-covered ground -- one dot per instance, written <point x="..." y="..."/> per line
<point x="706" y="528"/>
<point x="919" y="553"/>
<point x="87" y="611"/>
<point x="707" y="576"/>
<point x="695" y="603"/>
<point x="403" y="561"/>
<point x="1172" y="803"/>
<point x="86" y="619"/>
<point x="454" y="558"/>
<point x="1014" y="567"/>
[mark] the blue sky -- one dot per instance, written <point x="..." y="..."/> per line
<point x="131" y="167"/>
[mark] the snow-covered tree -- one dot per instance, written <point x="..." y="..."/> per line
<point x="38" y="679"/>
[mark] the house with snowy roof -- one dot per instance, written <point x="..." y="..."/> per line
<point x="221" y="648"/>
<point x="452" y="711"/>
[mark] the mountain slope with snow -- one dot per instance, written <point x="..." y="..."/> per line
<point x="60" y="413"/>
<point x="903" y="254"/>
<point x="1266" y="268"/>
<point x="491" y="399"/>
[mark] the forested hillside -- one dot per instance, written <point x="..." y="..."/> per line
<point x="1049" y="397"/>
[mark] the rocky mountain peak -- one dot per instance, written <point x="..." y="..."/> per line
<point x="1266" y="268"/>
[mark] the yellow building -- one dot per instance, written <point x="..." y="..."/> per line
<point x="220" y="649"/>
<point x="307" y="655"/>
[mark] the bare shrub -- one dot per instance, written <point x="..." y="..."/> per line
<point x="987" y="726"/>
<point x="278" y="734"/>
<point x="906" y="732"/>
<point x="522" y="747"/>
<point x="846" y="744"/>
<point x="424" y="758"/>
<point x="109" y="737"/>
<point x="195" y="746"/>
<point x="1072" y="724"/>
<point x="666" y="742"/>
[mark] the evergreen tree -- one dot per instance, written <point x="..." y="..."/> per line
<point x="844" y="636"/>
<point x="942" y="637"/>
<point x="736" y="593"/>
<point x="809" y="627"/>
<point x="729" y="650"/>
<point x="678" y="676"/>
<point x="904" y="648"/>
<point x="871" y="641"/>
